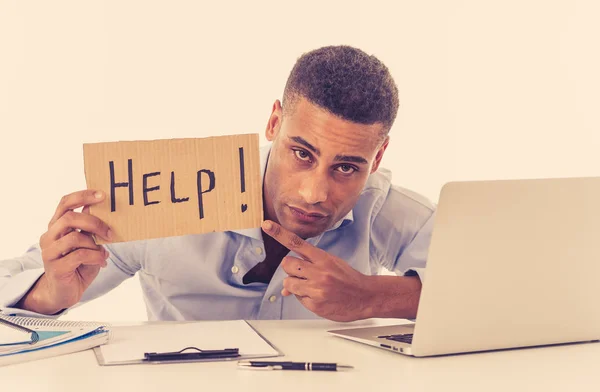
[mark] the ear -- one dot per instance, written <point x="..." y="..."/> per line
<point x="274" y="122"/>
<point x="379" y="155"/>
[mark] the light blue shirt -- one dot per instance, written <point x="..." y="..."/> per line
<point x="199" y="277"/>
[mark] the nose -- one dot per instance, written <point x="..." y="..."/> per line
<point x="314" y="189"/>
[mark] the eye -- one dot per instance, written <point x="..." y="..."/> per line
<point x="346" y="169"/>
<point x="302" y="155"/>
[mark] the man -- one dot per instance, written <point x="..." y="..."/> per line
<point x="332" y="221"/>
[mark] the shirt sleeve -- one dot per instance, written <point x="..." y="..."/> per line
<point x="401" y="233"/>
<point x="413" y="259"/>
<point x="18" y="275"/>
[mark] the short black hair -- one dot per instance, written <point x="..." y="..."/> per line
<point x="346" y="82"/>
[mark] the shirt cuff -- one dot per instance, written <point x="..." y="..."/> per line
<point x="420" y="272"/>
<point x="16" y="287"/>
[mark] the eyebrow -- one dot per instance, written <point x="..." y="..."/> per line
<point x="350" y="158"/>
<point x="338" y="158"/>
<point x="306" y="144"/>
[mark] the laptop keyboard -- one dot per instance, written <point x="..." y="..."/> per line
<point x="402" y="338"/>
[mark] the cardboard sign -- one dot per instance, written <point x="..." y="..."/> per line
<point x="162" y="188"/>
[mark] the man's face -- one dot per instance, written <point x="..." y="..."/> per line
<point x="317" y="167"/>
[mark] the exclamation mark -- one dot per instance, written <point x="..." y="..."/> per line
<point x="242" y="177"/>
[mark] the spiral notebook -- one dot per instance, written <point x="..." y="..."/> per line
<point x="25" y="339"/>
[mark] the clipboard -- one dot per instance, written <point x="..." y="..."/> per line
<point x="182" y="342"/>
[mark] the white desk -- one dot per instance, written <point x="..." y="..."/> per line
<point x="558" y="368"/>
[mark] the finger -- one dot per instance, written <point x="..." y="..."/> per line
<point x="286" y="293"/>
<point x="67" y="244"/>
<point x="298" y="287"/>
<point x="299" y="268"/>
<point x="291" y="241"/>
<point x="78" y="257"/>
<point x="86" y="210"/>
<point x="308" y="303"/>
<point x="76" y="200"/>
<point x="79" y="221"/>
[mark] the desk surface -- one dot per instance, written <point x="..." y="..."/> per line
<point x="559" y="368"/>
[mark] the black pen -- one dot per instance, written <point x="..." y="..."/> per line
<point x="194" y="355"/>
<point x="288" y="365"/>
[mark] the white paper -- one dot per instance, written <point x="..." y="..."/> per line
<point x="129" y="344"/>
<point x="9" y="335"/>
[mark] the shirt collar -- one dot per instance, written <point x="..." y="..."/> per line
<point x="255" y="232"/>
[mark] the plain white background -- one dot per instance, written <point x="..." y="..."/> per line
<point x="489" y="89"/>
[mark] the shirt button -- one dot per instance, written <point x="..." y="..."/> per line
<point x="272" y="298"/>
<point x="235" y="269"/>
<point x="258" y="250"/>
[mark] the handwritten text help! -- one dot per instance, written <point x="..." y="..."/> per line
<point x="172" y="187"/>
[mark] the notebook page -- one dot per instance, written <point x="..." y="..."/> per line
<point x="46" y="338"/>
<point x="10" y="335"/>
<point x="130" y="343"/>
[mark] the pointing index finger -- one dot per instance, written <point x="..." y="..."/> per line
<point x="290" y="240"/>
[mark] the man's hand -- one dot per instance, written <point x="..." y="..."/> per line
<point x="326" y="285"/>
<point x="71" y="257"/>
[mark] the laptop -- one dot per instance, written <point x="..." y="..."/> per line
<point x="511" y="264"/>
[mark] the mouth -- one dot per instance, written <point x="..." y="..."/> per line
<point x="306" y="216"/>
